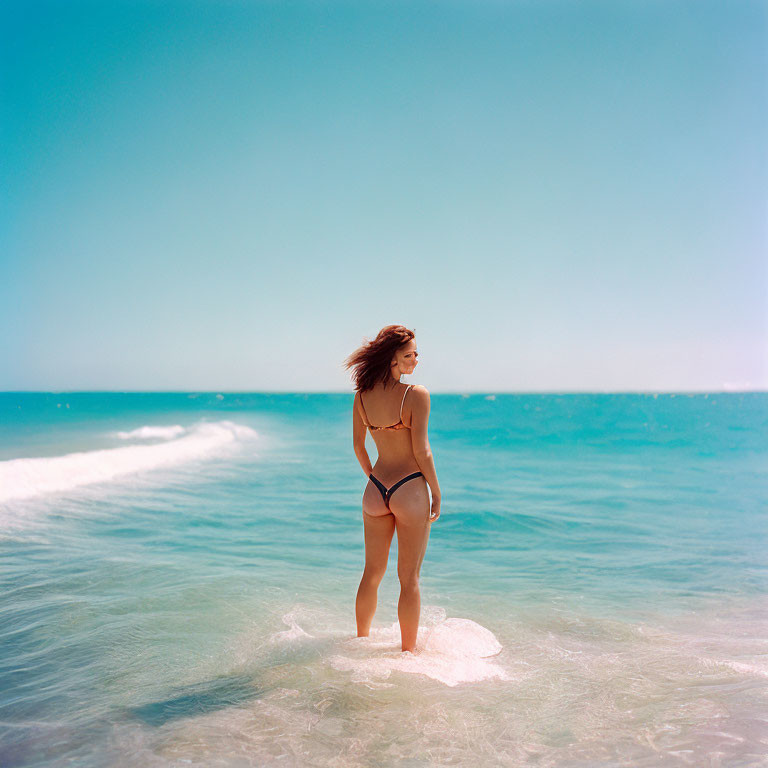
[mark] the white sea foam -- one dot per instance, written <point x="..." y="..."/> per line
<point x="27" y="478"/>
<point x="151" y="433"/>
<point x="449" y="650"/>
<point x="452" y="652"/>
<point x="294" y="633"/>
<point x="757" y="670"/>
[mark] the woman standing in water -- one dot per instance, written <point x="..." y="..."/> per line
<point x="396" y="496"/>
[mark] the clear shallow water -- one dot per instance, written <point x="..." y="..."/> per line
<point x="594" y="592"/>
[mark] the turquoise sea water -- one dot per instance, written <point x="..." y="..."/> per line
<point x="178" y="575"/>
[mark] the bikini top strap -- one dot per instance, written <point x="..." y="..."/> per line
<point x="365" y="415"/>
<point x="401" y="404"/>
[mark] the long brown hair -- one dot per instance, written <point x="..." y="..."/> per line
<point x="371" y="362"/>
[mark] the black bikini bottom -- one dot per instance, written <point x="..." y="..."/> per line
<point x="387" y="494"/>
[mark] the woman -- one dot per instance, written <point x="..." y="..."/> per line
<point x="396" y="495"/>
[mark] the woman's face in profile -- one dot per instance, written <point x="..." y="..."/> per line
<point x="408" y="357"/>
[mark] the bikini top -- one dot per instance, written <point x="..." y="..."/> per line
<point x="398" y="425"/>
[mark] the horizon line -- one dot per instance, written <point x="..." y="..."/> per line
<point x="349" y="392"/>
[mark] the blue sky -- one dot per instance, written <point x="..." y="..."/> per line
<point x="556" y="196"/>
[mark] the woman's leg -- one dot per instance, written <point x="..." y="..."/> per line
<point x="379" y="529"/>
<point x="410" y="505"/>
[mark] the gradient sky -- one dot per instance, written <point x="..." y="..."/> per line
<point x="556" y="196"/>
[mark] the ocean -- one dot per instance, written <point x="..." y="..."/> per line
<point x="178" y="575"/>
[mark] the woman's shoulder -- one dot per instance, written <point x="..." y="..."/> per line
<point x="420" y="391"/>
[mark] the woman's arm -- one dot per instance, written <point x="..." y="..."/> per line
<point x="358" y="437"/>
<point x="420" y="405"/>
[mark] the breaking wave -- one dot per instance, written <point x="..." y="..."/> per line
<point x="28" y="478"/>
